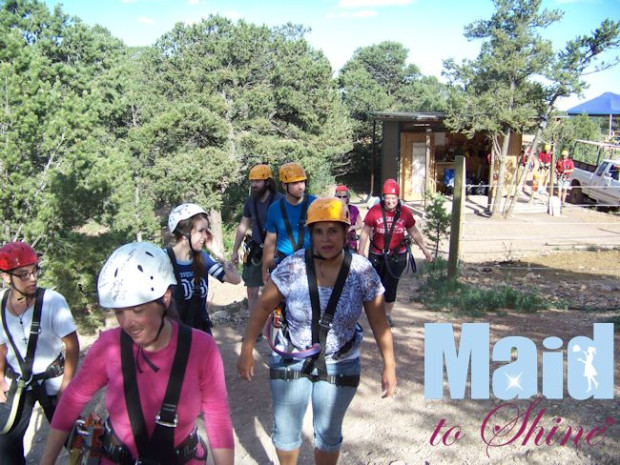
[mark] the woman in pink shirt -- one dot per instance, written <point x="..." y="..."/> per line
<point x="151" y="418"/>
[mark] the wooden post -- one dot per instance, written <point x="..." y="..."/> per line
<point x="458" y="204"/>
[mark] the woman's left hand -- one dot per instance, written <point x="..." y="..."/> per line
<point x="388" y="382"/>
<point x="245" y="365"/>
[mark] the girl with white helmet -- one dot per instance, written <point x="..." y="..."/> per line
<point x="147" y="365"/>
<point x="325" y="287"/>
<point x="189" y="224"/>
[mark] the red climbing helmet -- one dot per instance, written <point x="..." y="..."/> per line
<point x="17" y="254"/>
<point x="390" y="186"/>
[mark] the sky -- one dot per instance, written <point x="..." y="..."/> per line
<point x="432" y="30"/>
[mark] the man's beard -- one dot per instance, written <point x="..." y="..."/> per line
<point x="258" y="193"/>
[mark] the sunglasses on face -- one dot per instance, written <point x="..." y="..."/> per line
<point x="342" y="196"/>
<point x="25" y="275"/>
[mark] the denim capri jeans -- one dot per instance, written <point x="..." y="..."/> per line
<point x="290" y="400"/>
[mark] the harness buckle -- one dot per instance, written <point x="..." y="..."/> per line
<point x="169" y="424"/>
<point x="21" y="379"/>
<point x="35" y="328"/>
<point x="167" y="416"/>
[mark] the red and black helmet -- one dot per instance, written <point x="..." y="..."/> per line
<point x="17" y="254"/>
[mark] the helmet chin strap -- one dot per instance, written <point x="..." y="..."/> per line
<point x="23" y="294"/>
<point x="142" y="346"/>
<point x="188" y="236"/>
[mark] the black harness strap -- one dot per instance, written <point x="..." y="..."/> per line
<point x="25" y="364"/>
<point x="302" y="222"/>
<point x="387" y="239"/>
<point x="322" y="324"/>
<point x="160" y="447"/>
<point x="259" y="223"/>
<point x="338" y="380"/>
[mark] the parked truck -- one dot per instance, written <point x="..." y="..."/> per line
<point x="597" y="168"/>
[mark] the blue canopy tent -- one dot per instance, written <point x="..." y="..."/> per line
<point x="603" y="105"/>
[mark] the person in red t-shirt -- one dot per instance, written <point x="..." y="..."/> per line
<point x="388" y="251"/>
<point x="544" y="167"/>
<point x="563" y="168"/>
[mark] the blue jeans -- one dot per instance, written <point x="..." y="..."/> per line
<point x="329" y="404"/>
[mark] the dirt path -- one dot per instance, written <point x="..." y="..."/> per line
<point x="398" y="431"/>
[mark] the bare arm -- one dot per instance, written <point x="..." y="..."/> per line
<point x="223" y="456"/>
<point x="269" y="300"/>
<point x="359" y="224"/>
<point x="231" y="274"/>
<point x="55" y="440"/>
<point x="242" y="229"/>
<point x="364" y="236"/>
<point x="72" y="353"/>
<point x="269" y="251"/>
<point x="415" y="233"/>
<point x="3" y="384"/>
<point x="375" y="312"/>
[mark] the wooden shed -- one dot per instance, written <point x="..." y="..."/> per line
<point x="418" y="151"/>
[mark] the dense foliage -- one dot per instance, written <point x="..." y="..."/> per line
<point x="99" y="140"/>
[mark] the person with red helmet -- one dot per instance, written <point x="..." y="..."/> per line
<point x="343" y="193"/>
<point x="35" y="325"/>
<point x="385" y="226"/>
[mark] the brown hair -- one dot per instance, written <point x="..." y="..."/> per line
<point x="184" y="229"/>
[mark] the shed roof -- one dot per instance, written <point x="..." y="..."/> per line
<point x="407" y="116"/>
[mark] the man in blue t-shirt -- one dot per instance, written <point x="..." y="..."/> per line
<point x="286" y="219"/>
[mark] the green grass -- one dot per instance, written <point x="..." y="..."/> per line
<point x="442" y="293"/>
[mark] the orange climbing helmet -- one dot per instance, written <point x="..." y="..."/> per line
<point x="292" y="172"/>
<point x="260" y="173"/>
<point x="328" y="209"/>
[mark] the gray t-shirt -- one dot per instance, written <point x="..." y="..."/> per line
<point x="362" y="285"/>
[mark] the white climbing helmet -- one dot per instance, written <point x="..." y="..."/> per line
<point x="135" y="274"/>
<point x="183" y="212"/>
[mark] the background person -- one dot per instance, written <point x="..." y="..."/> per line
<point x="286" y="218"/>
<point x="563" y="169"/>
<point x="263" y="194"/>
<point x="385" y="226"/>
<point x="343" y="193"/>
<point x="19" y="264"/>
<point x="295" y="382"/>
<point x="544" y="167"/>
<point x="138" y="359"/>
<point x="190" y="225"/>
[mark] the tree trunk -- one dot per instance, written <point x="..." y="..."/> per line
<point x="540" y="130"/>
<point x="136" y="199"/>
<point x="502" y="156"/>
<point x="215" y="219"/>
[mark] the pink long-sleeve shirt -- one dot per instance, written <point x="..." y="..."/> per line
<point x="203" y="390"/>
